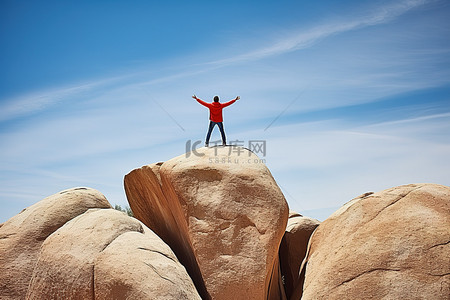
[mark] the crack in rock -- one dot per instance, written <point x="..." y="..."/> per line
<point x="441" y="244"/>
<point x="400" y="197"/>
<point x="156" y="271"/>
<point x="140" y="230"/>
<point x="5" y="236"/>
<point x="439" y="275"/>
<point x="93" y="282"/>
<point x="366" y="272"/>
<point x="163" y="254"/>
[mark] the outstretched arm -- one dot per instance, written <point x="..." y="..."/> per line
<point x="231" y="102"/>
<point x="200" y="101"/>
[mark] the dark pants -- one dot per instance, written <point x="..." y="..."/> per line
<point x="210" y="129"/>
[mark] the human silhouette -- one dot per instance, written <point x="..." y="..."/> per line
<point x="215" y="116"/>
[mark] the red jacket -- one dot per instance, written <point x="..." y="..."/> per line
<point x="215" y="109"/>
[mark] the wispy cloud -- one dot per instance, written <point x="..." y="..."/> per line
<point x="120" y="123"/>
<point x="413" y="120"/>
<point x="305" y="39"/>
<point x="30" y="103"/>
<point x="37" y="101"/>
<point x="327" y="163"/>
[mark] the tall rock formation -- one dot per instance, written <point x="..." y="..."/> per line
<point x="394" y="244"/>
<point x="222" y="213"/>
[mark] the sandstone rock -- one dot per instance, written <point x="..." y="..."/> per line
<point x="104" y="254"/>
<point x="389" y="245"/>
<point x="141" y="266"/>
<point x="137" y="266"/>
<point x="224" y="211"/>
<point x="22" y="236"/>
<point x="164" y="216"/>
<point x="293" y="248"/>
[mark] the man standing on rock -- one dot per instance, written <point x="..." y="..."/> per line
<point x="215" y="116"/>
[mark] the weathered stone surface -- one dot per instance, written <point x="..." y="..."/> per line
<point x="293" y="248"/>
<point x="141" y="266"/>
<point x="224" y="211"/>
<point x="164" y="215"/>
<point x="104" y="254"/>
<point x="22" y="236"/>
<point x="394" y="244"/>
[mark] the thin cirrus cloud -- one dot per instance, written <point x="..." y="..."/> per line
<point x="107" y="126"/>
<point x="29" y="104"/>
<point x="305" y="39"/>
<point x="38" y="101"/>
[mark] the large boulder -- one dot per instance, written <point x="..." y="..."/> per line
<point x="141" y="266"/>
<point x="164" y="215"/>
<point x="223" y="214"/>
<point x="22" y="236"/>
<point x="389" y="245"/>
<point x="293" y="248"/>
<point x="104" y="254"/>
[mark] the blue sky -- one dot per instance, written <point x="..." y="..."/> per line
<point x="350" y="96"/>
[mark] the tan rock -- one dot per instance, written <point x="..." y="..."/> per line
<point x="141" y="266"/>
<point x="293" y="248"/>
<point x="224" y="208"/>
<point x="389" y="245"/>
<point x="164" y="216"/>
<point x="22" y="236"/>
<point x="104" y="254"/>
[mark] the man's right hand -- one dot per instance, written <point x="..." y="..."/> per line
<point x="195" y="97"/>
<point x="237" y="98"/>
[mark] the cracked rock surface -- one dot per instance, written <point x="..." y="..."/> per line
<point x="72" y="245"/>
<point x="22" y="236"/>
<point x="392" y="244"/>
<point x="223" y="211"/>
<point x="104" y="254"/>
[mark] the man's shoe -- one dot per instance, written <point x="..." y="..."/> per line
<point x="206" y="145"/>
